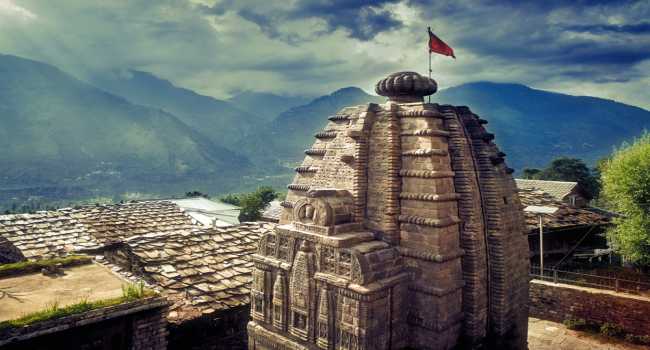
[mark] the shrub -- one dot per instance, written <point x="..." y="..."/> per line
<point x="231" y="198"/>
<point x="611" y="330"/>
<point x="575" y="324"/>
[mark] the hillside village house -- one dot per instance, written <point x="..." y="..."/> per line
<point x="203" y="270"/>
<point x="568" y="192"/>
<point x="574" y="232"/>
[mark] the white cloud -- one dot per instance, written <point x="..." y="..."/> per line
<point x="9" y="9"/>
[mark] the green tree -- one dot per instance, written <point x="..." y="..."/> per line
<point x="231" y="198"/>
<point x="626" y="187"/>
<point x="194" y="194"/>
<point x="569" y="169"/>
<point x="531" y="173"/>
<point x="253" y="203"/>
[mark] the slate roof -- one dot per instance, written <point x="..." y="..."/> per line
<point x="46" y="234"/>
<point x="557" y="189"/>
<point x="60" y="232"/>
<point x="116" y="222"/>
<point x="565" y="217"/>
<point x="272" y="212"/>
<point x="201" y="270"/>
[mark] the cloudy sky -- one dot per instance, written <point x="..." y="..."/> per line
<point x="590" y="47"/>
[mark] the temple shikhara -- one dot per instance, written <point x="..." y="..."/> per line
<point x="401" y="229"/>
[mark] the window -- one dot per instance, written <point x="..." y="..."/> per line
<point x="283" y="248"/>
<point x="299" y="320"/>
<point x="277" y="312"/>
<point x="259" y="304"/>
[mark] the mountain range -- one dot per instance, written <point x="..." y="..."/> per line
<point x="59" y="131"/>
<point x="133" y="131"/>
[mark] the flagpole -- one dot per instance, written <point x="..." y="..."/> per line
<point x="429" y="71"/>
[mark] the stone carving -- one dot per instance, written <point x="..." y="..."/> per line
<point x="406" y="87"/>
<point x="409" y="231"/>
<point x="313" y="211"/>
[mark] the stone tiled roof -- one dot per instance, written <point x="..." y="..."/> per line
<point x="565" y="217"/>
<point x="116" y="222"/>
<point x="201" y="270"/>
<point x="45" y="234"/>
<point x="56" y="233"/>
<point x="557" y="189"/>
<point x="272" y="212"/>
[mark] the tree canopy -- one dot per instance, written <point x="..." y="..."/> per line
<point x="626" y="187"/>
<point x="567" y="169"/>
<point x="195" y="194"/>
<point x="251" y="203"/>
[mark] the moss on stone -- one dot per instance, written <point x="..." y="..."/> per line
<point x="31" y="266"/>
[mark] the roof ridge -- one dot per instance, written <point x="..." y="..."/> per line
<point x="567" y="182"/>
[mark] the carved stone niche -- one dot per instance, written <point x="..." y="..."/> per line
<point x="323" y="211"/>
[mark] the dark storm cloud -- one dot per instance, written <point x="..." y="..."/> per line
<point x="363" y="20"/>
<point x="520" y="31"/>
<point x="637" y="28"/>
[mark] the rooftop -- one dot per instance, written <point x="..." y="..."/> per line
<point x="565" y="217"/>
<point x="64" y="231"/>
<point x="273" y="211"/>
<point x="201" y="270"/>
<point x="24" y="294"/>
<point x="207" y="212"/>
<point x="557" y="189"/>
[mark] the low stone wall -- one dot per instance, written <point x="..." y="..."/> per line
<point x="558" y="302"/>
<point x="137" y="325"/>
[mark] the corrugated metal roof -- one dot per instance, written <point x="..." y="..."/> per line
<point x="208" y="212"/>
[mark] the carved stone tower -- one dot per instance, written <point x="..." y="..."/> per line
<point x="402" y="228"/>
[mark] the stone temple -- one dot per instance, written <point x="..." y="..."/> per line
<point x="402" y="229"/>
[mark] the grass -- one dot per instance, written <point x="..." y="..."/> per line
<point x="31" y="266"/>
<point x="130" y="292"/>
<point x="608" y="330"/>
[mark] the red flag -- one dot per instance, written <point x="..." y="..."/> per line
<point x="438" y="46"/>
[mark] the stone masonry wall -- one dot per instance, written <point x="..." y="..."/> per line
<point x="150" y="330"/>
<point x="139" y="325"/>
<point x="559" y="302"/>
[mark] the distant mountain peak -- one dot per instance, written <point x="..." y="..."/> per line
<point x="265" y="104"/>
<point x="350" y="90"/>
